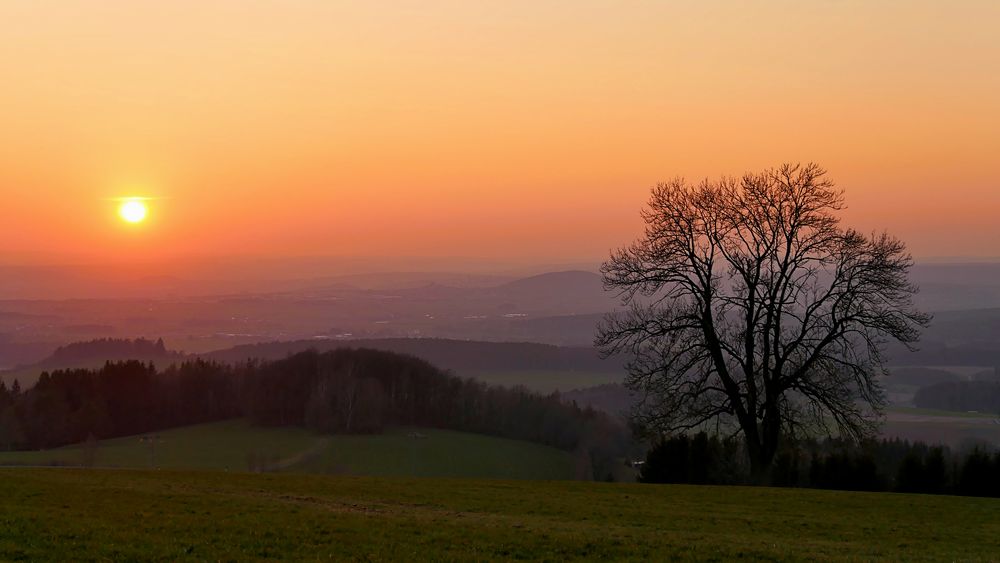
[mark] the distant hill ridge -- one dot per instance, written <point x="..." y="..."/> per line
<point x="456" y="355"/>
<point x="557" y="281"/>
<point x="93" y="353"/>
<point x="464" y="357"/>
<point x="110" y="349"/>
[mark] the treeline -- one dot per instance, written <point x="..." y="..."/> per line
<point x="118" y="399"/>
<point x="341" y="391"/>
<point x="886" y="465"/>
<point x="981" y="396"/>
<point x="457" y="355"/>
<point x="111" y="348"/>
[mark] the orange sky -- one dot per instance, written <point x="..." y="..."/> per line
<point x="518" y="130"/>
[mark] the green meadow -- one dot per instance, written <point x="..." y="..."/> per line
<point x="236" y="445"/>
<point x="101" y="514"/>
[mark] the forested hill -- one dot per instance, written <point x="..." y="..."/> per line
<point x="345" y="391"/>
<point x="463" y="357"/>
<point x="93" y="353"/>
<point x="104" y="349"/>
<point x="460" y="356"/>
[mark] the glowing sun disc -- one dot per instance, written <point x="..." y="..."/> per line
<point x="133" y="211"/>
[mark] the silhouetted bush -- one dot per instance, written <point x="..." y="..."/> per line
<point x="922" y="472"/>
<point x="887" y="465"/>
<point x="980" y="474"/>
<point x="698" y="459"/>
<point x="845" y="470"/>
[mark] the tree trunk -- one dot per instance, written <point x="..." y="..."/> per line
<point x="762" y="450"/>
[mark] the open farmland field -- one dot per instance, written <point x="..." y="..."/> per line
<point x="167" y="515"/>
<point x="942" y="427"/>
<point x="236" y="445"/>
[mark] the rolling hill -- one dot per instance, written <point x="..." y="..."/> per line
<point x="91" y="354"/>
<point x="235" y="445"/>
<point x="455" y="355"/>
<point x="540" y="367"/>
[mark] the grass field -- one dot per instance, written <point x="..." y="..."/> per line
<point x="438" y="453"/>
<point x="233" y="445"/>
<point x="74" y="514"/>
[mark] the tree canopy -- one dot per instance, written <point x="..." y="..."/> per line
<point x="749" y="305"/>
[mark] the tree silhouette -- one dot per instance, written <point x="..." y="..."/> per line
<point x="748" y="305"/>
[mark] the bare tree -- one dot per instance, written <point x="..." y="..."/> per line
<point x="749" y="305"/>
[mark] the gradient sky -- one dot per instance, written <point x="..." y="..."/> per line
<point x="517" y="130"/>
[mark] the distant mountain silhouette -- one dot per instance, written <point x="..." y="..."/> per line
<point x="566" y="292"/>
<point x="944" y="285"/>
<point x="553" y="283"/>
<point x="559" y="307"/>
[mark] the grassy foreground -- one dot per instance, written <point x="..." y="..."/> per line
<point x="234" y="445"/>
<point x="71" y="514"/>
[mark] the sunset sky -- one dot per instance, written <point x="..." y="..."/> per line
<point x="514" y="130"/>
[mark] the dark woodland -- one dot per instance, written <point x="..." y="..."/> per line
<point x="351" y="391"/>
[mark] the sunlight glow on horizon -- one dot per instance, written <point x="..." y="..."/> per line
<point x="527" y="130"/>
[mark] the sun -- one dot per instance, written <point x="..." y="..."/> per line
<point x="133" y="211"/>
